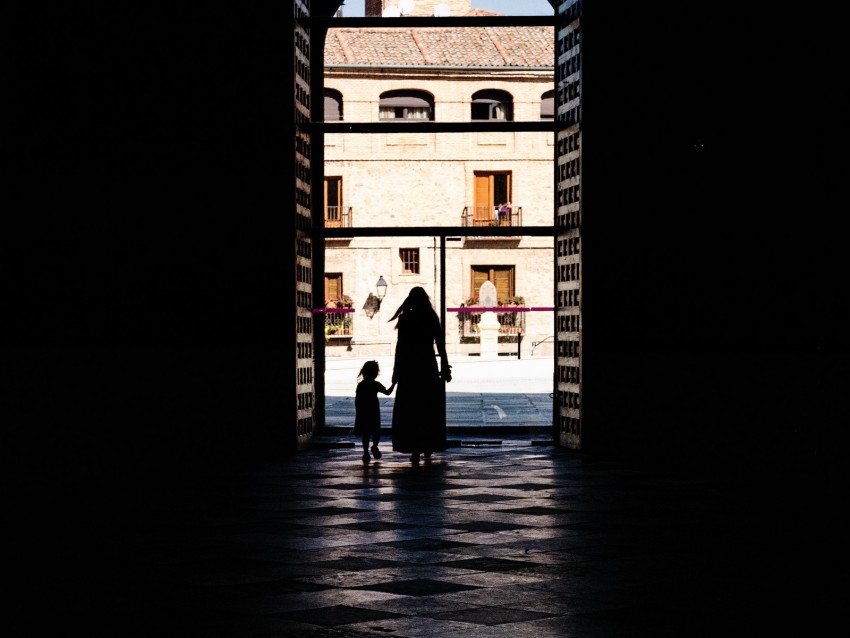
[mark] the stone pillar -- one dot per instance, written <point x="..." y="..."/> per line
<point x="488" y="327"/>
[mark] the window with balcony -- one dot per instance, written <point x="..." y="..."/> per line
<point x="511" y="307"/>
<point x="492" y="104"/>
<point x="406" y="105"/>
<point x="492" y="205"/>
<point x="338" y="310"/>
<point x="409" y="261"/>
<point x="333" y="105"/>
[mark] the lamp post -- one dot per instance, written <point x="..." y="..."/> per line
<point x="381" y="288"/>
<point x="373" y="303"/>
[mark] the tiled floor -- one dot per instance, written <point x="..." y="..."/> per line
<point x="508" y="540"/>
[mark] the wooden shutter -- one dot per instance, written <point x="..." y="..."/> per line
<point x="483" y="210"/>
<point x="333" y="286"/>
<point x="479" y="276"/>
<point x="503" y="280"/>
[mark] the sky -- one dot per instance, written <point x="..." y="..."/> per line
<point x="355" y="8"/>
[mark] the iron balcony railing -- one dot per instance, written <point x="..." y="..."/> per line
<point x="511" y="321"/>
<point x="338" y="217"/>
<point x="339" y="323"/>
<point x="491" y="216"/>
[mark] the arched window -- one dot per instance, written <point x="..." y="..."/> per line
<point x="406" y="104"/>
<point x="492" y="104"/>
<point x="333" y="105"/>
<point x="547" y="105"/>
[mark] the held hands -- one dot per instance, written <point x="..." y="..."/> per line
<point x="446" y="373"/>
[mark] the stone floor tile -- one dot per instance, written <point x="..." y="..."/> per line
<point x="539" y="543"/>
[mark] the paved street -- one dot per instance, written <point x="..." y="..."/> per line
<point x="508" y="395"/>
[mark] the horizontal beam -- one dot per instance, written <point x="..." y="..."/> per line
<point x="413" y="126"/>
<point x="499" y="309"/>
<point x="431" y="231"/>
<point x="428" y="21"/>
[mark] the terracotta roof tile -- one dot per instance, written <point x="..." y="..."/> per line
<point x="468" y="47"/>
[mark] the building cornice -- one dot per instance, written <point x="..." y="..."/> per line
<point x="438" y="67"/>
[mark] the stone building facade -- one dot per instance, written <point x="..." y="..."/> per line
<point x="434" y="180"/>
<point x="418" y="7"/>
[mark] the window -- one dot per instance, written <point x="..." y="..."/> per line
<point x="501" y="276"/>
<point x="333" y="287"/>
<point x="492" y="104"/>
<point x="338" y="314"/>
<point x="547" y="105"/>
<point x="409" y="260"/>
<point x="333" y="105"/>
<point x="334" y="214"/>
<point x="406" y="105"/>
<point x="492" y="192"/>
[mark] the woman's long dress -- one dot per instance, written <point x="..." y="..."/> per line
<point x="419" y="413"/>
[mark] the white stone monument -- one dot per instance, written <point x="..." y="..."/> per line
<point x="489" y="326"/>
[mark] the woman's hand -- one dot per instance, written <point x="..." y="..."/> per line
<point x="446" y="373"/>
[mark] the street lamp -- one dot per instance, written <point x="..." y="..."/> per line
<point x="373" y="302"/>
<point x="381" y="287"/>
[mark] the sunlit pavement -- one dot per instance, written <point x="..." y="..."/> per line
<point x="507" y="397"/>
<point x="469" y="375"/>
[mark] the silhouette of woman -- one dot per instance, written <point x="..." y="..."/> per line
<point x="419" y="416"/>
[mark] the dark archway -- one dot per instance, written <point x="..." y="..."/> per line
<point x="171" y="304"/>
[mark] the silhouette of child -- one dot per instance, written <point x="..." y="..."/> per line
<point x="367" y="421"/>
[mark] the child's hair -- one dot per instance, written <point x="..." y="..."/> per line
<point x="370" y="370"/>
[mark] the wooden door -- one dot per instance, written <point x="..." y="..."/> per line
<point x="502" y="277"/>
<point x="568" y="425"/>
<point x="483" y="208"/>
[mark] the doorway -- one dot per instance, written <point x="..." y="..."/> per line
<point x="565" y="230"/>
<point x="511" y="394"/>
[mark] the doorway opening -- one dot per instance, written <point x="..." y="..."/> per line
<point x="485" y="214"/>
